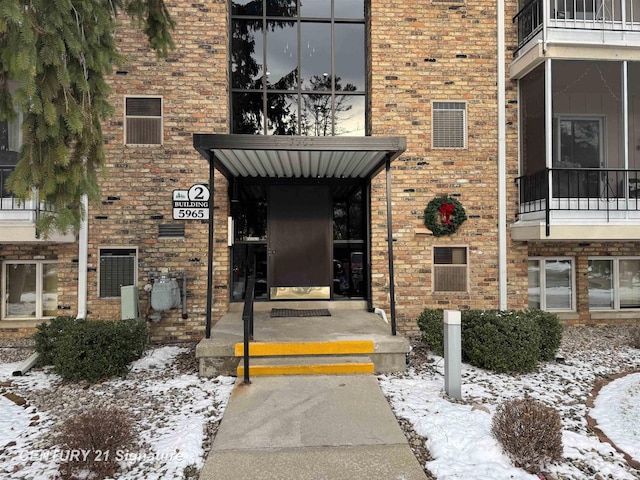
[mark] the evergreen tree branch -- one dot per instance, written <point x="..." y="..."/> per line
<point x="54" y="57"/>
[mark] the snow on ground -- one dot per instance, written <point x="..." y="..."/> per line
<point x="170" y="410"/>
<point x="617" y="411"/>
<point x="458" y="433"/>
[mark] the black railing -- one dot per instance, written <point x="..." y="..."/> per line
<point x="247" y="320"/>
<point x="530" y="20"/>
<point x="579" y="189"/>
<point x="9" y="203"/>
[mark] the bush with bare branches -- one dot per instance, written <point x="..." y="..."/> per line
<point x="530" y="433"/>
<point x="96" y="437"/>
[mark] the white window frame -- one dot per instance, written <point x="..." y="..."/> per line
<point x="161" y="117"/>
<point x="135" y="267"/>
<point x="615" y="265"/>
<point x="441" y="266"/>
<point x="39" y="288"/>
<point x="463" y="109"/>
<point x="543" y="297"/>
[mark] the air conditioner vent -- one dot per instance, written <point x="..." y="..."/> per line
<point x="171" y="230"/>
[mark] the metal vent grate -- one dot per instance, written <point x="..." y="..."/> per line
<point x="450" y="278"/>
<point x="171" y="230"/>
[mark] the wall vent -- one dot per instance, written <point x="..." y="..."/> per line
<point x="171" y="230"/>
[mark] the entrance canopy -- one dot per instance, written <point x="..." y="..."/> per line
<point x="280" y="156"/>
<point x="295" y="157"/>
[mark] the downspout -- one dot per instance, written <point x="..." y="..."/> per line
<point x="83" y="251"/>
<point x="502" y="162"/>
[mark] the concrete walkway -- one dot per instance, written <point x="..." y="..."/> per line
<point x="310" y="427"/>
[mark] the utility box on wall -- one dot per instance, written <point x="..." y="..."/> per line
<point x="129" y="303"/>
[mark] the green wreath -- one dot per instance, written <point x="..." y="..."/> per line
<point x="444" y="215"/>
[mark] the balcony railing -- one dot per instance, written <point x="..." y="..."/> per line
<point x="579" y="190"/>
<point x="615" y="15"/>
<point x="13" y="209"/>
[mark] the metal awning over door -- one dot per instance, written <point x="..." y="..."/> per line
<point x="262" y="156"/>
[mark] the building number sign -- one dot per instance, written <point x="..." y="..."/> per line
<point x="192" y="204"/>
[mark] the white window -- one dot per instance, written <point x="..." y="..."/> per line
<point x="450" y="269"/>
<point x="29" y="289"/>
<point x="143" y="120"/>
<point x="449" y="125"/>
<point x="551" y="283"/>
<point x="118" y="267"/>
<point x="614" y="283"/>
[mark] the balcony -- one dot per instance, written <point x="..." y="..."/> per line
<point x="18" y="218"/>
<point x="578" y="204"/>
<point x="575" y="29"/>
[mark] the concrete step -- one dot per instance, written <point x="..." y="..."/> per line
<point x="305" y="365"/>
<point x="338" y="347"/>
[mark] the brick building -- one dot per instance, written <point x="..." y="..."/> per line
<point x="531" y="125"/>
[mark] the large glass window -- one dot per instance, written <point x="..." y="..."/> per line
<point x="614" y="283"/>
<point x="30" y="289"/>
<point x="298" y="68"/>
<point x="551" y="283"/>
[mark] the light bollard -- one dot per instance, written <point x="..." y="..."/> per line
<point x="452" y="353"/>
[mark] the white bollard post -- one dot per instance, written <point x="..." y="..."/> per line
<point x="452" y="353"/>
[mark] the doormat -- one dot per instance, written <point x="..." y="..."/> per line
<point x="290" y="312"/>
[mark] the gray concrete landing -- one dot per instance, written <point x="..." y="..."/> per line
<point x="216" y="354"/>
<point x="310" y="428"/>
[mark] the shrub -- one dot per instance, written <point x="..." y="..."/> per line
<point x="103" y="434"/>
<point x="47" y="335"/>
<point x="530" y="433"/>
<point x="90" y="350"/>
<point x="430" y="324"/>
<point x="506" y="341"/>
<point x="501" y="341"/>
<point x="551" y="333"/>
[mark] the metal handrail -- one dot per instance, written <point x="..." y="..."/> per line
<point x="247" y="320"/>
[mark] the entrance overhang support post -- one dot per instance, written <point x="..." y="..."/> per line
<point x="207" y="332"/>
<point x="367" y="258"/>
<point x="392" y="291"/>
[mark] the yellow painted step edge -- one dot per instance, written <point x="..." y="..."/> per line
<point x="306" y="348"/>
<point x="326" y="369"/>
